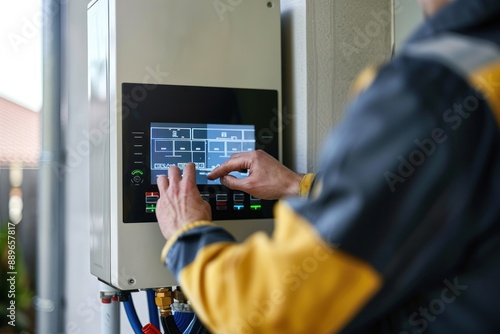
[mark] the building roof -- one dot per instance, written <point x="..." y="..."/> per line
<point x="19" y="135"/>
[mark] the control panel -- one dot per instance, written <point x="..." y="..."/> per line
<point x="176" y="125"/>
<point x="172" y="82"/>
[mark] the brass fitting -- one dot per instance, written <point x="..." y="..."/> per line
<point x="164" y="299"/>
<point x="179" y="295"/>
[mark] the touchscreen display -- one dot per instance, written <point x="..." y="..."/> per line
<point x="165" y="125"/>
<point x="205" y="145"/>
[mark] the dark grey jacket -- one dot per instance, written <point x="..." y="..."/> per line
<point x="411" y="180"/>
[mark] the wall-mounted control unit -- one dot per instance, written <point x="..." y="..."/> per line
<point x="172" y="82"/>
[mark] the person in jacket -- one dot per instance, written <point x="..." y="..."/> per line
<point x="400" y="230"/>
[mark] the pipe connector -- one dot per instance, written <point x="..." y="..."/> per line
<point x="164" y="299"/>
<point x="179" y="295"/>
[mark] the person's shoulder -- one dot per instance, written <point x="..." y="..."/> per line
<point x="418" y="74"/>
<point x="411" y="84"/>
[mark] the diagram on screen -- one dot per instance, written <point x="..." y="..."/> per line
<point x="206" y="145"/>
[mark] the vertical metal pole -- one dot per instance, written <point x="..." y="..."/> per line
<point x="50" y="256"/>
<point x="110" y="312"/>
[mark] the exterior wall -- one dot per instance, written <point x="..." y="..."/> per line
<point x="407" y="16"/>
<point x="82" y="289"/>
<point x="326" y="44"/>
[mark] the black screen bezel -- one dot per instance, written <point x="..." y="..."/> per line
<point x="145" y="104"/>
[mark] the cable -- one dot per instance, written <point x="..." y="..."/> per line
<point x="183" y="319"/>
<point x="132" y="315"/>
<point x="198" y="327"/>
<point x="172" y="326"/>
<point x="152" y="308"/>
<point x="190" y="326"/>
<point x="169" y="326"/>
<point x="163" y="325"/>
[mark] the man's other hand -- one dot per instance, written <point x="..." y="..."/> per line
<point x="180" y="202"/>
<point x="268" y="179"/>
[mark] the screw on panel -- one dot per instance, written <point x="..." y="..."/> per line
<point x="269" y="4"/>
<point x="131" y="281"/>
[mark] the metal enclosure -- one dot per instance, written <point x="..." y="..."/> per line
<point x="231" y="44"/>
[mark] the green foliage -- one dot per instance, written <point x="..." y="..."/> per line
<point x="23" y="293"/>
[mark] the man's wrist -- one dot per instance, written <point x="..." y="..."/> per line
<point x="180" y="231"/>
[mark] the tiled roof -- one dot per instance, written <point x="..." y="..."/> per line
<point x="19" y="135"/>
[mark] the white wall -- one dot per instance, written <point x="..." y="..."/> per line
<point x="327" y="43"/>
<point x="407" y="16"/>
<point x="82" y="289"/>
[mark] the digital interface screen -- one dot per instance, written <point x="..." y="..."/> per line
<point x="205" y="145"/>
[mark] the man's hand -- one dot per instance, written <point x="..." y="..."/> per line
<point x="268" y="178"/>
<point x="180" y="202"/>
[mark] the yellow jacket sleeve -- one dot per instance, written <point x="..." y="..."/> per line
<point x="306" y="184"/>
<point x="291" y="283"/>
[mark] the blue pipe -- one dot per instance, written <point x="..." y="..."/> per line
<point x="132" y="316"/>
<point x="153" y="310"/>
<point x="183" y="319"/>
<point x="189" y="328"/>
